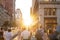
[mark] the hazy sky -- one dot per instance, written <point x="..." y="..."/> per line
<point x="24" y="6"/>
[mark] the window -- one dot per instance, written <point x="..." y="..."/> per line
<point x="49" y="11"/>
<point x="53" y="12"/>
<point x="45" y="11"/>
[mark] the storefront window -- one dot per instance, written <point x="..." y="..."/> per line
<point x="50" y="22"/>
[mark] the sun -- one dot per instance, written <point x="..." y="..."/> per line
<point x="28" y="21"/>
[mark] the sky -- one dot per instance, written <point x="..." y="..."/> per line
<point x="24" y="6"/>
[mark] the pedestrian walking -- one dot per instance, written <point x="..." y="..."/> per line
<point x="1" y="34"/>
<point x="33" y="36"/>
<point x="25" y="35"/>
<point x="45" y="36"/>
<point x="8" y="35"/>
<point x="52" y="35"/>
<point x="58" y="37"/>
<point x="39" y="33"/>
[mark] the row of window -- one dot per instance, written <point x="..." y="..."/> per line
<point x="49" y="0"/>
<point x="50" y="11"/>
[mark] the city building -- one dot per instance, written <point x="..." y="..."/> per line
<point x="18" y="17"/>
<point x="9" y="6"/>
<point x="3" y="16"/>
<point x="34" y="13"/>
<point x="48" y="12"/>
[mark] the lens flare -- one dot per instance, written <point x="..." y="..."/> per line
<point x="27" y="21"/>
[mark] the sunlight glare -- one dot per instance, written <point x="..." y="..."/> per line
<point x="27" y="21"/>
<point x="25" y="6"/>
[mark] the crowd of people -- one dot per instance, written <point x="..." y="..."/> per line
<point x="25" y="34"/>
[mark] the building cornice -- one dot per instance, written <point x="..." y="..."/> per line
<point x="50" y="2"/>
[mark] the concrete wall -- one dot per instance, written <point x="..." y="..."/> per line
<point x="58" y="16"/>
<point x="33" y="3"/>
<point x="41" y="13"/>
<point x="57" y="0"/>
